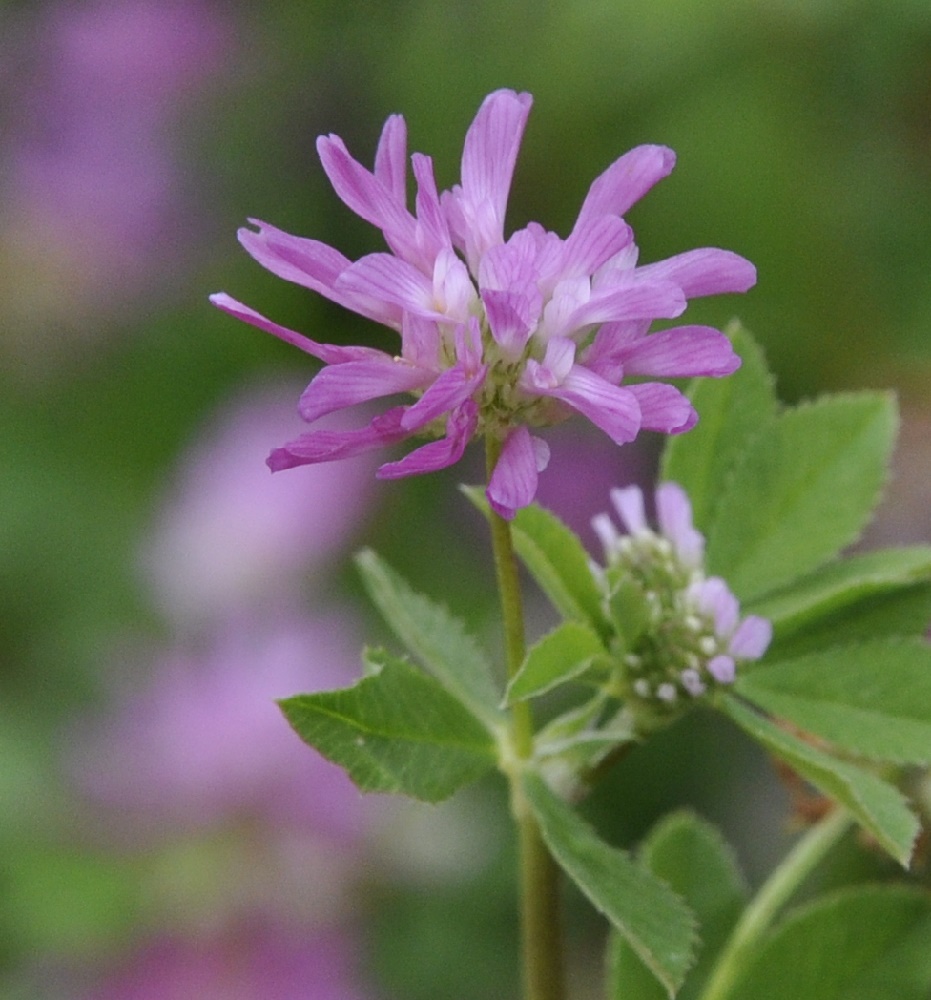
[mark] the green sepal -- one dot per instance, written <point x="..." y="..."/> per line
<point x="693" y="858"/>
<point x="731" y="411"/>
<point x="629" y="611"/>
<point x="556" y="559"/>
<point x="872" y="699"/>
<point x="436" y="638"/>
<point x="559" y="656"/>
<point x="643" y="909"/>
<point x="861" y="943"/>
<point x="805" y="488"/>
<point x="395" y="730"/>
<point x="877" y="805"/>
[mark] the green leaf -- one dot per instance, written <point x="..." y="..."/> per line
<point x="872" y="699"/>
<point x="649" y="915"/>
<point x="693" y="858"/>
<point x="560" y="655"/>
<point x="905" y="611"/>
<point x="843" y="583"/>
<point x="396" y="730"/>
<point x="556" y="559"/>
<point x="878" y="806"/>
<point x="863" y="943"/>
<point x="435" y="637"/>
<point x="731" y="411"/>
<point x="805" y="489"/>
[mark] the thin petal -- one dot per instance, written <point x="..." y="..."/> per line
<point x="680" y="352"/>
<point x="626" y="181"/>
<point x="513" y="482"/>
<point x="674" y="514"/>
<point x="331" y="354"/>
<point x="612" y="408"/>
<point x="722" y="669"/>
<point x="391" y="158"/>
<point x="329" y="445"/>
<point x="706" y="271"/>
<point x="628" y="502"/>
<point x="313" y="265"/>
<point x="663" y="408"/>
<point x="593" y="242"/>
<point x="629" y="299"/>
<point x="361" y="190"/>
<point x="460" y="428"/>
<point x="339" y="386"/>
<point x="752" y="638"/>
<point x="386" y="278"/>
<point x="452" y="388"/>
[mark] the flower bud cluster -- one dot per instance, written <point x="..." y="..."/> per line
<point x="679" y="634"/>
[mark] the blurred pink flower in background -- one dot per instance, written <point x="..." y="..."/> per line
<point x="230" y="534"/>
<point x="255" y="964"/>
<point x="203" y="742"/>
<point x="92" y="209"/>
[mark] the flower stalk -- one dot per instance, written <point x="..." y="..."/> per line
<point x="541" y="930"/>
<point x="743" y="944"/>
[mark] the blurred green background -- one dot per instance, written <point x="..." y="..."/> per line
<point x="135" y="137"/>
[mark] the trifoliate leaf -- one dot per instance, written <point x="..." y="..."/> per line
<point x="731" y="412"/>
<point x="873" y="699"/>
<point x="650" y="916"/>
<point x="436" y="638"/>
<point x="567" y="651"/>
<point x="877" y="805"/>
<point x="396" y="730"/>
<point x="805" y="488"/>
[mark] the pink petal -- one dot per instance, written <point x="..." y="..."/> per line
<point x="752" y="638"/>
<point x="722" y="669"/>
<point x="612" y="408"/>
<point x="674" y="514"/>
<point x="452" y="388"/>
<point x="361" y="190"/>
<point x="460" y="428"/>
<point x="328" y="445"/>
<point x="331" y="354"/>
<point x="339" y="386"/>
<point x="391" y="158"/>
<point x="314" y="265"/>
<point x="628" y="502"/>
<point x="680" y="352"/>
<point x="489" y="154"/>
<point x="626" y="181"/>
<point x="663" y="408"/>
<point x="513" y="482"/>
<point x="593" y="242"/>
<point x="385" y="278"/>
<point x="706" y="271"/>
<point x="628" y="299"/>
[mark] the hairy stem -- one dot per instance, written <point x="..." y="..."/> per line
<point x="769" y="900"/>
<point x="541" y="929"/>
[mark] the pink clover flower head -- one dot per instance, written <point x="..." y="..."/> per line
<point x="690" y="638"/>
<point x="498" y="335"/>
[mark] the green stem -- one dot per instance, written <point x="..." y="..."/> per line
<point x="541" y="927"/>
<point x="771" y="897"/>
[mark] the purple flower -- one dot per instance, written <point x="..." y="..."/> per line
<point x="204" y="744"/>
<point x="692" y="637"/>
<point x="497" y="336"/>
<point x="230" y="536"/>
<point x="246" y="964"/>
